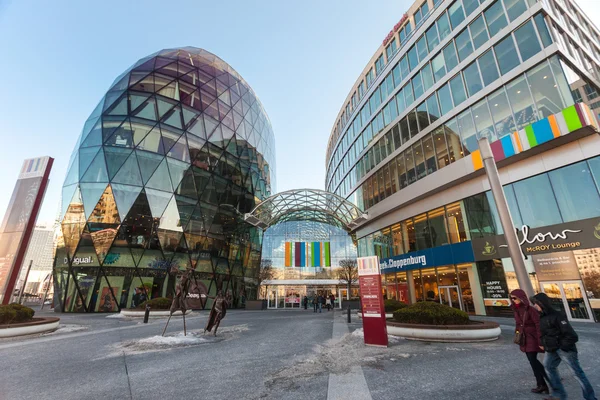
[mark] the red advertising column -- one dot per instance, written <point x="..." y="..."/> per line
<point x="371" y="297"/>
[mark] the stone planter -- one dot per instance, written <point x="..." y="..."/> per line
<point x="135" y="313"/>
<point x="37" y="325"/>
<point x="476" y="331"/>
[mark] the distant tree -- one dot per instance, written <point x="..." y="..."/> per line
<point x="348" y="274"/>
<point x="265" y="273"/>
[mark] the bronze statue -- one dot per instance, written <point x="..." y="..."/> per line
<point x="179" y="302"/>
<point x="217" y="313"/>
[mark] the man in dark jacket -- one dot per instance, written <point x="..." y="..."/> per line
<point x="558" y="339"/>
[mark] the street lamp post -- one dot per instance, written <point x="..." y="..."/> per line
<point x="514" y="249"/>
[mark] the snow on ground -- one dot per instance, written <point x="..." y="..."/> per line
<point x="69" y="328"/>
<point x="173" y="341"/>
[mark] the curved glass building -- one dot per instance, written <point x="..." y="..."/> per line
<point x="404" y="147"/>
<point x="174" y="153"/>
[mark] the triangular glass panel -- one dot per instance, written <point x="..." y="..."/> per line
<point x="158" y="201"/>
<point x="160" y="179"/>
<point x="136" y="100"/>
<point x="197" y="128"/>
<point x="152" y="142"/>
<point x="73" y="221"/>
<point x="216" y="136"/>
<point x="212" y="110"/>
<point x="66" y="198"/>
<point x="180" y="151"/>
<point x="94" y="137"/>
<point x="115" y="157"/>
<point x="125" y="196"/>
<point x="122" y="84"/>
<point x="168" y="68"/>
<point x="187" y="187"/>
<point x="87" y="127"/>
<point x="118" y="256"/>
<point x="177" y="170"/>
<point x="111" y="97"/>
<point x="137" y="254"/>
<point x="121" y="136"/>
<point x="145" y="65"/>
<point x="73" y="172"/>
<point x="97" y="170"/>
<point x="173" y="118"/>
<point x="104" y="222"/>
<point x="86" y="156"/>
<point x="171" y="90"/>
<point x="182" y="260"/>
<point x="169" y="240"/>
<point x="148" y="163"/>
<point x="90" y="194"/>
<point x="194" y="145"/>
<point x="227" y="133"/>
<point x="210" y="87"/>
<point x="171" y="218"/>
<point x="120" y="107"/>
<point x="193" y="100"/>
<point x="188" y="115"/>
<point x="146" y="110"/>
<point x="129" y="173"/>
<point x="164" y="106"/>
<point x="185" y="207"/>
<point x="110" y="125"/>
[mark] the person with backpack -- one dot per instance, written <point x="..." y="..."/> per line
<point x="527" y="336"/>
<point x="558" y="339"/>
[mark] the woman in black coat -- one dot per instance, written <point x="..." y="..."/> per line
<point x="558" y="340"/>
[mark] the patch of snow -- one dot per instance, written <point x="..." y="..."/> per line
<point x="68" y="328"/>
<point x="117" y="316"/>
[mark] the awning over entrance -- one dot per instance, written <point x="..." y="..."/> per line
<point x="306" y="205"/>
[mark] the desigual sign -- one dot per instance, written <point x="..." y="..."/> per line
<point x="80" y="260"/>
<point x="583" y="234"/>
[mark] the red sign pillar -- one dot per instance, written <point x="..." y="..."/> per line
<point x="371" y="297"/>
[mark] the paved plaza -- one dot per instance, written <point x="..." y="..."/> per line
<point x="266" y="355"/>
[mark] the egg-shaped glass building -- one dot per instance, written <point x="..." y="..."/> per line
<point x="175" y="152"/>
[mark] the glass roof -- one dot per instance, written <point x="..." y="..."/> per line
<point x="306" y="205"/>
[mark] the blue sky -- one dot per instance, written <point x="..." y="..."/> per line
<point x="300" y="57"/>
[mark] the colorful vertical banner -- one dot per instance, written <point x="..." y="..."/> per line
<point x="303" y="254"/>
<point x="316" y="254"/>
<point x="327" y="254"/>
<point x="288" y="254"/>
<point x="297" y="254"/>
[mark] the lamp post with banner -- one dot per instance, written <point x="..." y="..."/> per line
<point x="510" y="233"/>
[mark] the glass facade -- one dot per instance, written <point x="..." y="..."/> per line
<point x="175" y="150"/>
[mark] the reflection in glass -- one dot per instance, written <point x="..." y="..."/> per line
<point x="537" y="202"/>
<point x="575" y="192"/>
<point x="527" y="41"/>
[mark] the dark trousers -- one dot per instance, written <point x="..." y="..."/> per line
<point x="315" y="306"/>
<point x="537" y="367"/>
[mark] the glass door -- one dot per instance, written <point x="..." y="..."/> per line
<point x="450" y="296"/>
<point x="568" y="297"/>
<point x="272" y="298"/>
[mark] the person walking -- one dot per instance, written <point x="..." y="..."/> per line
<point x="305" y="302"/>
<point x="332" y="298"/>
<point x="321" y="300"/>
<point x="527" y="321"/>
<point x="315" y="301"/>
<point x="558" y="340"/>
<point x="328" y="303"/>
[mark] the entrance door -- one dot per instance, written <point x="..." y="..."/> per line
<point x="272" y="298"/>
<point x="450" y="296"/>
<point x="568" y="297"/>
